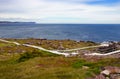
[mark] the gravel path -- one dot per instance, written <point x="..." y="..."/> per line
<point x="66" y="54"/>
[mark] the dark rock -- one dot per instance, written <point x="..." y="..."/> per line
<point x="100" y="77"/>
<point x="110" y="48"/>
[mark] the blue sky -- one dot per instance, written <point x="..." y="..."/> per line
<point x="61" y="11"/>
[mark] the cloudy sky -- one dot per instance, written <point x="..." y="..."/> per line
<point x="61" y="11"/>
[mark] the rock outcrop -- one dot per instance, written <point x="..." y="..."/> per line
<point x="109" y="72"/>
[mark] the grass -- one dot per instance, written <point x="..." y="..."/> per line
<point x="20" y="62"/>
<point x="51" y="67"/>
<point x="36" y="53"/>
<point x="5" y="44"/>
<point x="12" y="48"/>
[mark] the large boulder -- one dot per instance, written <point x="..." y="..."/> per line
<point x="111" y="70"/>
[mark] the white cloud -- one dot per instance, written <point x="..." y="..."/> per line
<point x="60" y="12"/>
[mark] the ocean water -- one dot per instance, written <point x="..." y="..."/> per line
<point x="87" y="32"/>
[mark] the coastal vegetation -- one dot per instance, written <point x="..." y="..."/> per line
<point x="21" y="62"/>
<point x="55" y="44"/>
<point x="51" y="67"/>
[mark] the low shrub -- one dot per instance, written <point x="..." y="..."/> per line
<point x="36" y="53"/>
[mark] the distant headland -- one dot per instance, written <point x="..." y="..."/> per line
<point x="15" y="23"/>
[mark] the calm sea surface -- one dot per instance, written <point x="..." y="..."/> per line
<point x="91" y="32"/>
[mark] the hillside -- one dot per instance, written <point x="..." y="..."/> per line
<point x="21" y="62"/>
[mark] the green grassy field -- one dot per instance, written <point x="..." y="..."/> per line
<point x="49" y="66"/>
<point x="19" y="62"/>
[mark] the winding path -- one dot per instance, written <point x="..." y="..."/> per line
<point x="40" y="48"/>
<point x="16" y="43"/>
<point x="66" y="54"/>
<point x="98" y="54"/>
<point x="37" y="47"/>
<point x="102" y="45"/>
